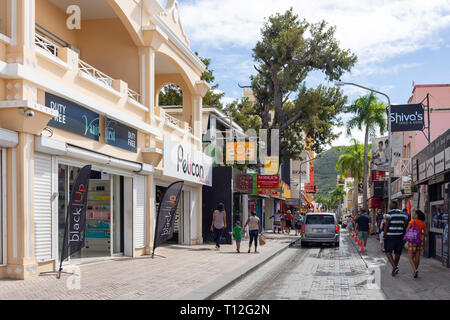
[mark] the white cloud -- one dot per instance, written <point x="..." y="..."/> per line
<point x="375" y="29"/>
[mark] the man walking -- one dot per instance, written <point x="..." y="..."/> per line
<point x="394" y="229"/>
<point x="363" y="226"/>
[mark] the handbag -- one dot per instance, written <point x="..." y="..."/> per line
<point x="262" y="239"/>
<point x="412" y="235"/>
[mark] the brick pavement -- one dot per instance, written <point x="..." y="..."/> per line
<point x="433" y="282"/>
<point x="314" y="273"/>
<point x="176" y="272"/>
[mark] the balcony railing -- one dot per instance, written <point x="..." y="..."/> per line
<point x="46" y="44"/>
<point x="95" y="73"/>
<point x="134" y="95"/>
<point x="172" y="120"/>
<point x="404" y="167"/>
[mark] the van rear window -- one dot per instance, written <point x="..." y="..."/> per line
<point x="322" y="219"/>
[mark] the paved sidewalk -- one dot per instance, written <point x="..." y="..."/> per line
<point x="177" y="272"/>
<point x="433" y="282"/>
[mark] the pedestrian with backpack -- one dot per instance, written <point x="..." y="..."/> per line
<point x="414" y="236"/>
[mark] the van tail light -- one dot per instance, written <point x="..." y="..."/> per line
<point x="303" y="228"/>
<point x="336" y="228"/>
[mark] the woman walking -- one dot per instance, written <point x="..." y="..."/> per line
<point x="298" y="222"/>
<point x="283" y="221"/>
<point x="414" y="249"/>
<point x="276" y="222"/>
<point x="253" y="227"/>
<point x="289" y="217"/>
<point x="219" y="223"/>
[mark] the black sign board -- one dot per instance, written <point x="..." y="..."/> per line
<point x="166" y="214"/>
<point x="75" y="228"/>
<point x="120" y="135"/>
<point x="73" y="117"/>
<point x="407" y="117"/>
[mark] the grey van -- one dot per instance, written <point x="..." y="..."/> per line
<point x="320" y="227"/>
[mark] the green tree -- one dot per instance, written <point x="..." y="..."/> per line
<point x="369" y="115"/>
<point x="350" y="163"/>
<point x="288" y="51"/>
<point x="171" y="95"/>
<point x="337" y="196"/>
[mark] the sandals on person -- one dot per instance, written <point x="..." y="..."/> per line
<point x="416" y="274"/>
<point x="395" y="271"/>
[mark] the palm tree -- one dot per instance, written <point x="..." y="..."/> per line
<point x="369" y="115"/>
<point x="350" y="163"/>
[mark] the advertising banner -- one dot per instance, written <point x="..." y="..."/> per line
<point x="380" y="154"/>
<point x="407" y="117"/>
<point x="119" y="135"/>
<point x="264" y="181"/>
<point x="240" y="151"/>
<point x="75" y="228"/>
<point x="445" y="234"/>
<point x="243" y="183"/>
<point x="166" y="214"/>
<point x="182" y="162"/>
<point x="271" y="165"/>
<point x="73" y="117"/>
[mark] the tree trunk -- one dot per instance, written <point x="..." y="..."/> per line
<point x="366" y="143"/>
<point x="355" y="193"/>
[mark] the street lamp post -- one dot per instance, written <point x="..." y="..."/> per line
<point x="340" y="84"/>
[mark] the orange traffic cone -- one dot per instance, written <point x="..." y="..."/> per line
<point x="362" y="246"/>
<point x="353" y="235"/>
<point x="359" y="242"/>
<point x="356" y="239"/>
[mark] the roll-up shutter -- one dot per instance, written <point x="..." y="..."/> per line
<point x="42" y="207"/>
<point x="139" y="214"/>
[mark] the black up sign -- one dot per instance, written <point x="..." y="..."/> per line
<point x="166" y="214"/>
<point x="75" y="228"/>
<point x="407" y="117"/>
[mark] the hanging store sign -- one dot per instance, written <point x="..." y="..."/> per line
<point x="73" y="117"/>
<point x="182" y="162"/>
<point x="243" y="183"/>
<point x="264" y="181"/>
<point x="240" y="151"/>
<point x="380" y="151"/>
<point x="407" y="117"/>
<point x="271" y="165"/>
<point x="119" y="135"/>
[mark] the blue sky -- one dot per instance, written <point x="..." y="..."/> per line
<point x="397" y="41"/>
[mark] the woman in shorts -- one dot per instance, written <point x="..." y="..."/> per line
<point x="414" y="249"/>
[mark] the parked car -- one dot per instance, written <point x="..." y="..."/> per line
<point x="320" y="227"/>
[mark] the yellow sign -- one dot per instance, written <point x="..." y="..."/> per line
<point x="271" y="165"/>
<point x="240" y="151"/>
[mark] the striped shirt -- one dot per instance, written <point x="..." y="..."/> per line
<point x="397" y="221"/>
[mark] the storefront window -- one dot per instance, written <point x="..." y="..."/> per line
<point x="98" y="214"/>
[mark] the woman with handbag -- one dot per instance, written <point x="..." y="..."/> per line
<point x="415" y="232"/>
<point x="254" y="227"/>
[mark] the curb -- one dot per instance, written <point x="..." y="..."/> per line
<point x="209" y="291"/>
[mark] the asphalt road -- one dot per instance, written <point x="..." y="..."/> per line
<point x="315" y="272"/>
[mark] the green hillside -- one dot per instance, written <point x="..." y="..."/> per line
<point x="325" y="174"/>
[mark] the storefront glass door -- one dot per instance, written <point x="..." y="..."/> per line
<point x="104" y="214"/>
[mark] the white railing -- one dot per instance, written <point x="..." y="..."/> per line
<point x="95" y="73"/>
<point x="172" y="120"/>
<point x="404" y="166"/>
<point x="134" y="95"/>
<point x="46" y="44"/>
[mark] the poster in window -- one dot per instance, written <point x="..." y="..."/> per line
<point x="438" y="212"/>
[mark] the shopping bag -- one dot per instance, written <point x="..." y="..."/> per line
<point x="262" y="239"/>
<point x="412" y="235"/>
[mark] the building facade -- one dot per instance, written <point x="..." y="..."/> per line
<point x="73" y="94"/>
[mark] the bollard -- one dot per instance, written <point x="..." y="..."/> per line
<point x="362" y="247"/>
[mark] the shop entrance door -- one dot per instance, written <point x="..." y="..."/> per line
<point x="105" y="215"/>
